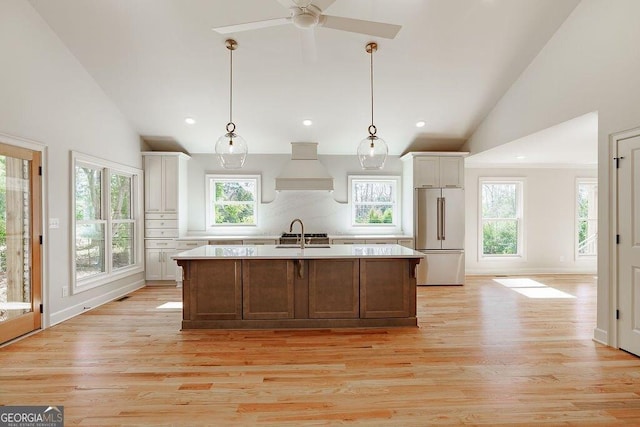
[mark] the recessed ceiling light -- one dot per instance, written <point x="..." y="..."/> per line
<point x="307" y="122"/>
<point x="190" y="121"/>
<point x="521" y="157"/>
<point x="420" y="124"/>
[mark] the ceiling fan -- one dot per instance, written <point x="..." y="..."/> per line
<point x="307" y="14"/>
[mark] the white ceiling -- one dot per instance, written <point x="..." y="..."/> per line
<point x="159" y="61"/>
<point x="568" y="144"/>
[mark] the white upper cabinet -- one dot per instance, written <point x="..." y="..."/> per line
<point x="451" y="172"/>
<point x="426" y="172"/>
<point x="161" y="183"/>
<point x="438" y="171"/>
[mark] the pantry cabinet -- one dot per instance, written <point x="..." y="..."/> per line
<point x="165" y="184"/>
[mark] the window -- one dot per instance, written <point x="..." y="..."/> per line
<point x="586" y="217"/>
<point x="232" y="200"/>
<point x="107" y="229"/>
<point x="500" y="217"/>
<point x="374" y="201"/>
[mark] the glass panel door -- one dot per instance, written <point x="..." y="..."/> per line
<point x="20" y="264"/>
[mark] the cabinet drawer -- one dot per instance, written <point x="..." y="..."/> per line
<point x="160" y="244"/>
<point x="381" y="241"/>
<point x="160" y="233"/>
<point x="225" y="242"/>
<point x="190" y="244"/>
<point x="161" y="216"/>
<point x="347" y="241"/>
<point x="260" y="242"/>
<point x="161" y="223"/>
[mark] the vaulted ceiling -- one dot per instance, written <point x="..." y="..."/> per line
<point x="160" y="62"/>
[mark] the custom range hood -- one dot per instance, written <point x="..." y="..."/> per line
<point x="304" y="171"/>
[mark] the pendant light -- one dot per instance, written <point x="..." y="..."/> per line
<point x="231" y="148"/>
<point x="372" y="151"/>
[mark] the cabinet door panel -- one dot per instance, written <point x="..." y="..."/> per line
<point x="215" y="288"/>
<point x="387" y="288"/>
<point x="451" y="172"/>
<point x="267" y="287"/>
<point x="334" y="289"/>
<point x="170" y="183"/>
<point x="153" y="264"/>
<point x="153" y="183"/>
<point x="170" y="267"/>
<point x="426" y="172"/>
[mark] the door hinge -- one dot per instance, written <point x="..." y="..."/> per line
<point x="617" y="239"/>
<point x="617" y="159"/>
<point x="40" y="239"/>
<point x="40" y="170"/>
<point x="41" y="309"/>
<point x="617" y="314"/>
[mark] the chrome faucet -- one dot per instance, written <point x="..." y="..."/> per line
<point x="301" y="231"/>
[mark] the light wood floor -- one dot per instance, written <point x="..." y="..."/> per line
<point x="483" y="354"/>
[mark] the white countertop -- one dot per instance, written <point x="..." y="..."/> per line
<point x="274" y="252"/>
<point x="276" y="237"/>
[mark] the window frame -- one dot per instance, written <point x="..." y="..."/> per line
<point x="209" y="199"/>
<point x="520" y="189"/>
<point x="576" y="234"/>
<point x="110" y="274"/>
<point x="395" y="196"/>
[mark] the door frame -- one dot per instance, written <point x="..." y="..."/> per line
<point x="614" y="138"/>
<point x="32" y="145"/>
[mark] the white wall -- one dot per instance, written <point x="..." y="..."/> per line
<point x="592" y="63"/>
<point x="548" y="226"/>
<point x="320" y="211"/>
<point x="47" y="97"/>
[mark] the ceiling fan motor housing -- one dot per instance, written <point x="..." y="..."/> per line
<point x="305" y="17"/>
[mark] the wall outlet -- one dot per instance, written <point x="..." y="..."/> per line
<point x="65" y="292"/>
<point x="54" y="223"/>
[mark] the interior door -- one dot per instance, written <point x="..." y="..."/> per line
<point x="20" y="251"/>
<point x="629" y="246"/>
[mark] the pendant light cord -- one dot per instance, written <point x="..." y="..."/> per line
<point x="371" y="87"/>
<point x="230" y="85"/>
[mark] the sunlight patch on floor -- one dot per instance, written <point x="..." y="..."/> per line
<point x="170" y="305"/>
<point x="532" y="289"/>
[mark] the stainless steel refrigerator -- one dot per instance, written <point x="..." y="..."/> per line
<point x="439" y="234"/>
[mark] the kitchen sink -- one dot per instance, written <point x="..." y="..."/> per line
<point x="311" y="246"/>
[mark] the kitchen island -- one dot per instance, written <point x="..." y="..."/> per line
<point x="269" y="286"/>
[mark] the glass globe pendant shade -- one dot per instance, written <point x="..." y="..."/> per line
<point x="372" y="153"/>
<point x="231" y="150"/>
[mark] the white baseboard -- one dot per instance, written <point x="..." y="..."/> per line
<point x="601" y="336"/>
<point x="524" y="271"/>
<point x="69" y="312"/>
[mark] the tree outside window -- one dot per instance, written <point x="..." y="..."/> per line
<point x="122" y="221"/>
<point x="374" y="201"/>
<point x="232" y="201"/>
<point x="106" y="205"/>
<point x="90" y="227"/>
<point x="501" y="218"/>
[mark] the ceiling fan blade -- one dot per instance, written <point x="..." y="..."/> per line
<point x="288" y="3"/>
<point x="308" y="44"/>
<point x="322" y="4"/>
<point x="378" y="29"/>
<point x="252" y="25"/>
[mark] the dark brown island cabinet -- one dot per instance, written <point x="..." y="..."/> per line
<point x="254" y="293"/>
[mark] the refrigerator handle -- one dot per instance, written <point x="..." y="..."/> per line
<point x="444" y="215"/>
<point x="439" y="225"/>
